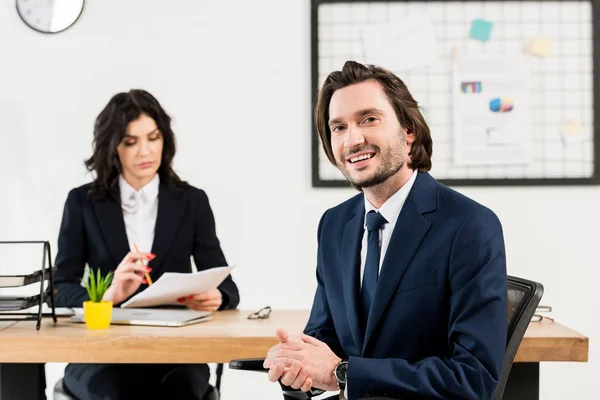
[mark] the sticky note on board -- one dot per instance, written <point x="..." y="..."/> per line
<point x="572" y="132"/>
<point x="539" y="46"/>
<point x="481" y="29"/>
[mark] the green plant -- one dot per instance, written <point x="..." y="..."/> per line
<point x="97" y="285"/>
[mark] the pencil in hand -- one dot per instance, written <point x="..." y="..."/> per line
<point x="148" y="280"/>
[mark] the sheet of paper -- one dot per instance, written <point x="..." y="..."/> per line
<point x="492" y="110"/>
<point x="481" y="29"/>
<point x="401" y="46"/>
<point x="171" y="286"/>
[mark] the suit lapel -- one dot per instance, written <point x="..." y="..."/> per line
<point x="110" y="218"/>
<point x="171" y="209"/>
<point x="350" y="265"/>
<point x="411" y="227"/>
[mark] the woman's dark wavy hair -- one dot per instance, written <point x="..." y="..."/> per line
<point x="109" y="131"/>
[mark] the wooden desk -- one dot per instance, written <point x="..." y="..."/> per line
<point x="550" y="341"/>
<point x="230" y="335"/>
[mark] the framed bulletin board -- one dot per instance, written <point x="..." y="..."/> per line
<point x="509" y="89"/>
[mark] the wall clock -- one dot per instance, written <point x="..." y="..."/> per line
<point x="49" y="16"/>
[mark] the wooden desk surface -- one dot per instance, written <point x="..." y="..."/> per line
<point x="228" y="336"/>
<point x="550" y="341"/>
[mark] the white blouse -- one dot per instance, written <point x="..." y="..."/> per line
<point x="140" y="209"/>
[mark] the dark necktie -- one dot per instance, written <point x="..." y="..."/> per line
<point x="375" y="222"/>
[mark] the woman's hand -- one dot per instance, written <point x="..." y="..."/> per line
<point x="207" y="301"/>
<point x="128" y="277"/>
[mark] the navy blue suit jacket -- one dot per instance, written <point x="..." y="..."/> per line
<point x="437" y="326"/>
<point x="93" y="233"/>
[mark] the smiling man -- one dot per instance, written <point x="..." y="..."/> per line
<point x="411" y="300"/>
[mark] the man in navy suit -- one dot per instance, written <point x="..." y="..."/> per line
<point x="411" y="301"/>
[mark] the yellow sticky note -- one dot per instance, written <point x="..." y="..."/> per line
<point x="539" y="46"/>
<point x="572" y="127"/>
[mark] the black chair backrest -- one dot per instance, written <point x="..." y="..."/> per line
<point x="523" y="298"/>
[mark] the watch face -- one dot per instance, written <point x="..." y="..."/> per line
<point x="49" y="16"/>
<point x="341" y="372"/>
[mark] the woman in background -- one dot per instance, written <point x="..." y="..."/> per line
<point x="137" y="199"/>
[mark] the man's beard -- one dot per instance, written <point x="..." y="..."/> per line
<point x="391" y="162"/>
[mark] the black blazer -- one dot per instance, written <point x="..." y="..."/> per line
<point x="93" y="233"/>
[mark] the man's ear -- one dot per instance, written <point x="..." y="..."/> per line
<point x="410" y="137"/>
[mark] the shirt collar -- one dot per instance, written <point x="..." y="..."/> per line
<point x="390" y="210"/>
<point x="147" y="193"/>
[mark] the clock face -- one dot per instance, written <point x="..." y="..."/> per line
<point x="49" y="16"/>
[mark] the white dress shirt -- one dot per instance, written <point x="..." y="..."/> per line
<point x="140" y="209"/>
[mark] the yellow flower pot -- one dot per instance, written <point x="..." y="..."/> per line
<point x="97" y="315"/>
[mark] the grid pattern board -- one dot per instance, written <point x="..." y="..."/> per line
<point x="562" y="83"/>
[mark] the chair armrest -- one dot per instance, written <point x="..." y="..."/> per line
<point x="248" y="364"/>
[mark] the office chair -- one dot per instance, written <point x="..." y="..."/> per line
<point x="213" y="393"/>
<point x="523" y="298"/>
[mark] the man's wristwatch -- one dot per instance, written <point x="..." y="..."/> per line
<point x="341" y="374"/>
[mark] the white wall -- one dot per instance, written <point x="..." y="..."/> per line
<point x="235" y="77"/>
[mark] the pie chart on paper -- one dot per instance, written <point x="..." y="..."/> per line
<point x="501" y="104"/>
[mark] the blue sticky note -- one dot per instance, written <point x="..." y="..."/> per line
<point x="481" y="29"/>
